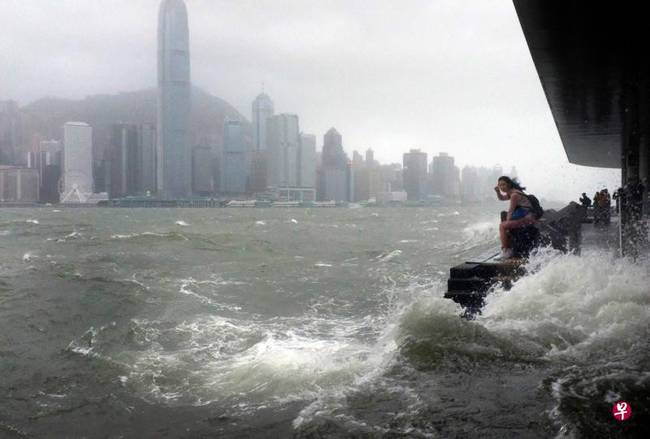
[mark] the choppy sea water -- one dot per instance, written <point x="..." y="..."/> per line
<point x="306" y="323"/>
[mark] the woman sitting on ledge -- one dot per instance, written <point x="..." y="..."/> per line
<point x="519" y="213"/>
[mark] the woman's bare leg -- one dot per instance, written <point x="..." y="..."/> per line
<point x="503" y="235"/>
<point x="505" y="226"/>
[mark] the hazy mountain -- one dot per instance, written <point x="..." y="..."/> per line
<point x="45" y="117"/>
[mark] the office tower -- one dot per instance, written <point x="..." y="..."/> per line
<point x="391" y="178"/>
<point x="470" y="188"/>
<point x="47" y="159"/>
<point x="18" y="184"/>
<point x="174" y="93"/>
<point x="202" y="170"/>
<point x="370" y="157"/>
<point x="283" y="138"/>
<point x="262" y="110"/>
<point x="78" y="162"/>
<point x="258" y="173"/>
<point x="357" y="159"/>
<point x="131" y="160"/>
<point x="445" y="176"/>
<point x="307" y="161"/>
<point x="234" y="167"/>
<point x="414" y="165"/>
<point x="10" y="132"/>
<point x="124" y="161"/>
<point x="335" y="173"/>
<point x="147" y="158"/>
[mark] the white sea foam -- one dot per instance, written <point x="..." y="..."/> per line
<point x="575" y="306"/>
<point x="148" y="235"/>
<point x="387" y="257"/>
<point x="482" y="230"/>
<point x="270" y="361"/>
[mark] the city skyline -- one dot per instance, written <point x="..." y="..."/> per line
<point x="465" y="85"/>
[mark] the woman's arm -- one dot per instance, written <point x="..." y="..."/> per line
<point x="499" y="195"/>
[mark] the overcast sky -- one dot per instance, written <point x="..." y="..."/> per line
<point x="439" y="75"/>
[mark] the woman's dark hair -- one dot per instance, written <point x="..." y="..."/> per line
<point x="512" y="182"/>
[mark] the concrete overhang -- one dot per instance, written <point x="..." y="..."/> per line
<point x="591" y="59"/>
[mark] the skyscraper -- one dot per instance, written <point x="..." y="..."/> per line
<point x="131" y="160"/>
<point x="234" y="172"/>
<point x="78" y="162"/>
<point x="262" y="110"/>
<point x="147" y="158"/>
<point x="415" y="174"/>
<point x="335" y="179"/>
<point x="174" y="91"/>
<point x="9" y="132"/>
<point x="307" y="161"/>
<point x="124" y="164"/>
<point x="445" y="176"/>
<point x="283" y="134"/>
<point x="202" y="170"/>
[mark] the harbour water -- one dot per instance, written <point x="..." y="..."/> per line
<point x="306" y="323"/>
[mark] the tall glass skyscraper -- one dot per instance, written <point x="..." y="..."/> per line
<point x="174" y="91"/>
<point x="262" y="110"/>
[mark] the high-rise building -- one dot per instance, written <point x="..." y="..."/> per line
<point x="445" y="176"/>
<point x="10" y="132"/>
<point x="78" y="162"/>
<point x="335" y="173"/>
<point x="357" y="159"/>
<point x="202" y="171"/>
<point x="131" y="160"/>
<point x="18" y="184"/>
<point x="391" y="177"/>
<point x="259" y="171"/>
<point x="283" y="140"/>
<point x="333" y="154"/>
<point x="124" y="163"/>
<point x="307" y="161"/>
<point x="234" y="166"/>
<point x="374" y="175"/>
<point x="148" y="159"/>
<point x="262" y="110"/>
<point x="48" y="159"/>
<point x="370" y="157"/>
<point x="415" y="174"/>
<point x="361" y="181"/>
<point x="174" y="94"/>
<point x="470" y="188"/>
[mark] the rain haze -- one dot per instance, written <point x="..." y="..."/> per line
<point x="278" y="219"/>
<point x="442" y="76"/>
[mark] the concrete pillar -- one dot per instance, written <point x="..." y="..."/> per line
<point x="644" y="168"/>
<point x="634" y="150"/>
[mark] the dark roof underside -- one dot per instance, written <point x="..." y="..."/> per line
<point x="591" y="58"/>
